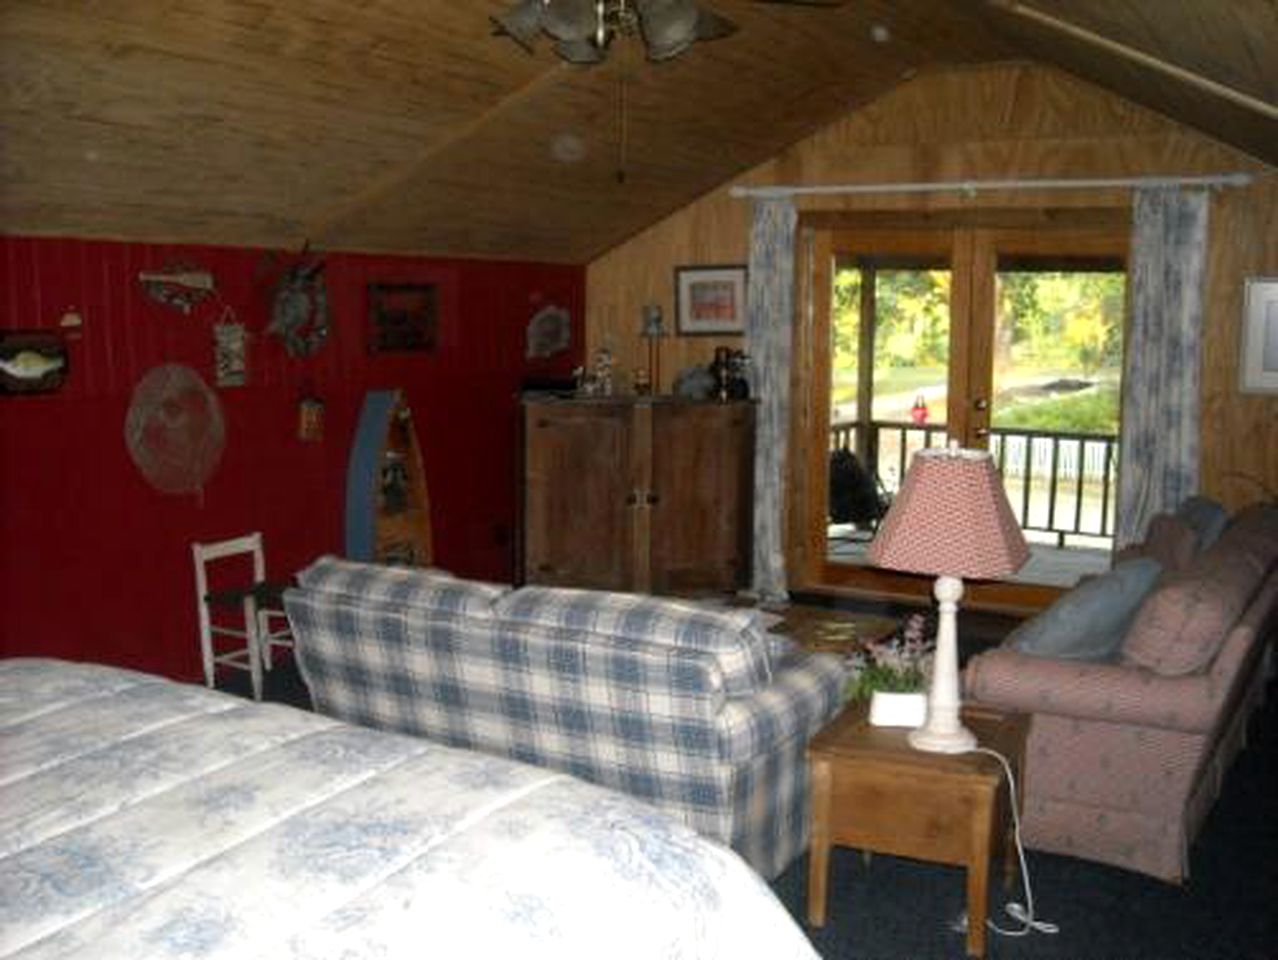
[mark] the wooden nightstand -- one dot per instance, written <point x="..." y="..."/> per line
<point x="873" y="791"/>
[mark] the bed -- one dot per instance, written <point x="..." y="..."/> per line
<point x="143" y="818"/>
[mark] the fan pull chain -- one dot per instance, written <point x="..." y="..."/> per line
<point x="622" y="125"/>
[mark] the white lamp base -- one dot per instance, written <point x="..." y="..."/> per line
<point x="939" y="741"/>
<point x="944" y="732"/>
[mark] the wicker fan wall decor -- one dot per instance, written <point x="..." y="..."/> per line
<point x="174" y="429"/>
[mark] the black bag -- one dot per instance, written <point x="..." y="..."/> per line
<point x="854" y="498"/>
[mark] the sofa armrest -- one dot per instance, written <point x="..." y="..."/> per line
<point x="805" y="693"/>
<point x="1107" y="692"/>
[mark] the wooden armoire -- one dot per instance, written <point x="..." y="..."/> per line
<point x="650" y="494"/>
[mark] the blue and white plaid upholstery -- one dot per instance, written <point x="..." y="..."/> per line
<point x="636" y="713"/>
<point x="404" y="586"/>
<point x="733" y="637"/>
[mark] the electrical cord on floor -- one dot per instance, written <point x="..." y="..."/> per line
<point x="1022" y="913"/>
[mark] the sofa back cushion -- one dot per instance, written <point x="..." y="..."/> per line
<point x="733" y="637"/>
<point x="1254" y="531"/>
<point x="1183" y="623"/>
<point x="419" y="587"/>
<point x="1205" y="517"/>
<point x="1171" y="541"/>
<point x="1089" y="622"/>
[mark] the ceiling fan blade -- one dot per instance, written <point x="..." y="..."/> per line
<point x="712" y="26"/>
<point x="669" y="27"/>
<point x="569" y="20"/>
<point x="806" y="3"/>
<point x="521" y="23"/>
<point x="580" y="51"/>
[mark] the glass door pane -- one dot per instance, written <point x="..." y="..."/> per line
<point x="1057" y="362"/>
<point x="889" y="393"/>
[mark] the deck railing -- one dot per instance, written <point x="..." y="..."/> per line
<point x="1058" y="483"/>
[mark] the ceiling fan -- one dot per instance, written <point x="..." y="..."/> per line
<point x="582" y="30"/>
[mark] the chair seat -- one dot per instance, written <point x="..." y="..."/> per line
<point x="267" y="596"/>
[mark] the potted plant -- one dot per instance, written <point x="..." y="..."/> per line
<point x="893" y="675"/>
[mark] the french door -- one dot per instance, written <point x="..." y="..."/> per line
<point x="993" y="335"/>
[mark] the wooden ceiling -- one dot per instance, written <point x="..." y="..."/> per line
<point x="404" y="125"/>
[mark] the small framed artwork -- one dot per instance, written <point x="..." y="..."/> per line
<point x="32" y="361"/>
<point x="1259" y="358"/>
<point x="403" y="317"/>
<point x="230" y="354"/>
<point x="710" y="300"/>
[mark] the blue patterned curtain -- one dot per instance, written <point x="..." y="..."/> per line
<point x="769" y="311"/>
<point x="1158" y="463"/>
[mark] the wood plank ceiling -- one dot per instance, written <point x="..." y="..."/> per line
<point x="403" y="125"/>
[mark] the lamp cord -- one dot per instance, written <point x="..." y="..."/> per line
<point x="1021" y="913"/>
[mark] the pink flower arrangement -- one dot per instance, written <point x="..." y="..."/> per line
<point x="900" y="664"/>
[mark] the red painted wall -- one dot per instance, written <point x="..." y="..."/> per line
<point x="96" y="564"/>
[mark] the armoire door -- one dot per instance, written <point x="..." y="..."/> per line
<point x="578" y="524"/>
<point x="701" y="496"/>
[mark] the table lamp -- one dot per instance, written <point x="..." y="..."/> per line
<point x="951" y="520"/>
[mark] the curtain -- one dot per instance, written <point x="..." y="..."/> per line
<point x="769" y="312"/>
<point x="1158" y="462"/>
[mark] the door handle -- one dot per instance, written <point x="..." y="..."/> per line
<point x="980" y="403"/>
<point x="982" y="432"/>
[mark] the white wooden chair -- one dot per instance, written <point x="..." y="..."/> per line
<point x="256" y="601"/>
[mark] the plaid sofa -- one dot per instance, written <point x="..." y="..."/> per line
<point x="698" y="711"/>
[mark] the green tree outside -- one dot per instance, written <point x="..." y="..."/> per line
<point x="1058" y="347"/>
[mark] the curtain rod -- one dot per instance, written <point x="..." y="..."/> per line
<point x="973" y="186"/>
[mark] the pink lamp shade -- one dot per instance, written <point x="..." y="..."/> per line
<point x="951" y="517"/>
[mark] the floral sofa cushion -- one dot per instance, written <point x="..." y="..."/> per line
<point x="1185" y="620"/>
<point x="425" y="587"/>
<point x="1169" y="539"/>
<point x="734" y="638"/>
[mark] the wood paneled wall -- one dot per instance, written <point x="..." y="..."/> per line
<point x="984" y="123"/>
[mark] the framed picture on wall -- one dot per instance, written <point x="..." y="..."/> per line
<point x="32" y="361"/>
<point x="1258" y="362"/>
<point x="403" y="317"/>
<point x="710" y="301"/>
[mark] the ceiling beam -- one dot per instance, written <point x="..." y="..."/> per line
<point x="1166" y="67"/>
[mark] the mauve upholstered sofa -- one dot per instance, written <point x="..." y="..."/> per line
<point x="1126" y="754"/>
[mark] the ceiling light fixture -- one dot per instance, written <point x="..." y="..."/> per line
<point x="583" y="30"/>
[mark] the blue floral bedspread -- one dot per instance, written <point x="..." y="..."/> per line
<point x="142" y="818"/>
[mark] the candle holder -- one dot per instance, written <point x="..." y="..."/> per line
<point x="652" y="330"/>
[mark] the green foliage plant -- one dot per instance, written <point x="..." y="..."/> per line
<point x="900" y="664"/>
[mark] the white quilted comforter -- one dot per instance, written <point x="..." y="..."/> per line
<point x="142" y="818"/>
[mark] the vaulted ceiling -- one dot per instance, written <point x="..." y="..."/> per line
<point x="405" y="125"/>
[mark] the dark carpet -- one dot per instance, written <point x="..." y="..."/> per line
<point x="1228" y="910"/>
<point x="891" y="908"/>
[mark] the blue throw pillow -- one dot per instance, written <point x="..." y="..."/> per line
<point x="1090" y="621"/>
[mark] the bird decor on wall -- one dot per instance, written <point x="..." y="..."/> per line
<point x="299" y="311"/>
